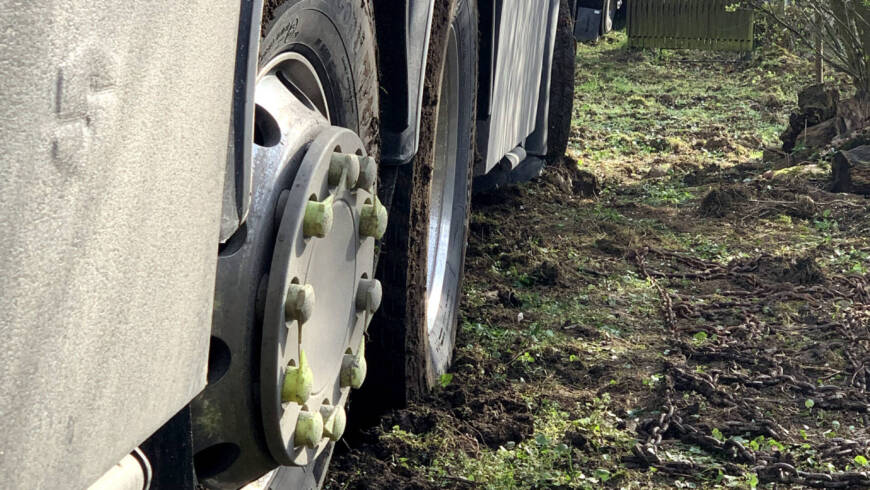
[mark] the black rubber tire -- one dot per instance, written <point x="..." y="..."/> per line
<point x="620" y="19"/>
<point x="561" y="85"/>
<point x="340" y="37"/>
<point x="403" y="365"/>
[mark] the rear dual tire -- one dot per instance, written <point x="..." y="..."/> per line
<point x="421" y="263"/>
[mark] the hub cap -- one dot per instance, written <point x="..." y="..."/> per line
<point x="295" y="290"/>
<point x="321" y="352"/>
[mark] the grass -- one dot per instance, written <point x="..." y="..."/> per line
<point x="648" y="105"/>
<point x="563" y="352"/>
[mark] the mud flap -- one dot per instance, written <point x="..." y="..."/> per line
<point x="587" y="24"/>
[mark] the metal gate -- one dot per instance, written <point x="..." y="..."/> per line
<point x="689" y="24"/>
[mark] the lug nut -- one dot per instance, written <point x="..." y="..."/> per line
<point x="368" y="173"/>
<point x="373" y="220"/>
<point x="368" y="296"/>
<point x="353" y="368"/>
<point x="299" y="303"/>
<point x="344" y="164"/>
<point x="309" y="429"/>
<point x="298" y="382"/>
<point x="334" y="421"/>
<point x="318" y="218"/>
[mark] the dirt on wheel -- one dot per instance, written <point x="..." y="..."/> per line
<point x="689" y="324"/>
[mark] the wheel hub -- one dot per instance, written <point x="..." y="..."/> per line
<point x="295" y="290"/>
<point x="307" y="360"/>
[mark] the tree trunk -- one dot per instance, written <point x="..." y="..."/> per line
<point x="851" y="171"/>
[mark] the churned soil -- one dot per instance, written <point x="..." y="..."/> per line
<point x="701" y="326"/>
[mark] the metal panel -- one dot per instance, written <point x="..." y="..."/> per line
<point x="521" y="27"/>
<point x="114" y="121"/>
<point x="400" y="131"/>
<point x="689" y="24"/>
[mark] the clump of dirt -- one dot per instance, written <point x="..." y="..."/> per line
<point x="547" y="273"/>
<point x="805" y="207"/>
<point x="569" y="179"/>
<point x="805" y="271"/>
<point x="802" y="270"/>
<point x="721" y="201"/>
<point x="371" y="471"/>
<point x="618" y="242"/>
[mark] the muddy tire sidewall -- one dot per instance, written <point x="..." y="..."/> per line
<point x="338" y="39"/>
<point x="561" y="86"/>
<point x="404" y="360"/>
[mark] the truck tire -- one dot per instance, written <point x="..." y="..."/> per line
<point x="421" y="264"/>
<point x="340" y="35"/>
<point x="561" y="85"/>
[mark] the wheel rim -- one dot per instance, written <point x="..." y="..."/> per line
<point x="300" y="78"/>
<point x="443" y="191"/>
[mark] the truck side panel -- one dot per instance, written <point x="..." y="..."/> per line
<point x="114" y="118"/>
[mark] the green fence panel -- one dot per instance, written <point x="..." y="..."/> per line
<point x="689" y="24"/>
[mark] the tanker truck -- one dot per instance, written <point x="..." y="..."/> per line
<point x="232" y="224"/>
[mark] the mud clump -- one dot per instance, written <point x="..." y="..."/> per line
<point x="804" y="271"/>
<point x="509" y="299"/>
<point x="719" y="202"/>
<point x="585" y="184"/>
<point x="415" y="422"/>
<point x="618" y="242"/>
<point x="804" y="207"/>
<point x="798" y="270"/>
<point x="569" y="179"/>
<point x="547" y="273"/>
<point x="500" y="421"/>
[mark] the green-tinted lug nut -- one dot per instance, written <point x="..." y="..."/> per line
<point x="368" y="174"/>
<point x="353" y="369"/>
<point x="344" y="164"/>
<point x="298" y="382"/>
<point x="334" y="421"/>
<point x="368" y="296"/>
<point x="309" y="429"/>
<point x="318" y="218"/>
<point x="373" y="220"/>
<point x="299" y="303"/>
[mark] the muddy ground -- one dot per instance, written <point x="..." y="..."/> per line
<point x="696" y="321"/>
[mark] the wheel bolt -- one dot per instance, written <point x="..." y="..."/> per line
<point x="309" y="429"/>
<point x="318" y="218"/>
<point x="299" y="303"/>
<point x="334" y="421"/>
<point x="368" y="296"/>
<point x="298" y="382"/>
<point x="368" y="173"/>
<point x="344" y="164"/>
<point x="353" y="368"/>
<point x="373" y="220"/>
